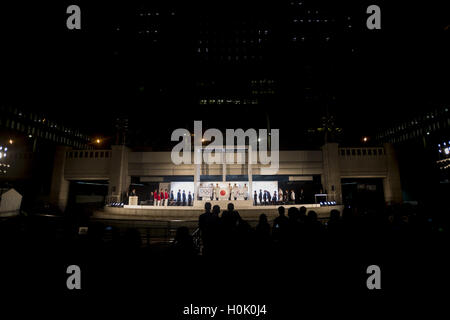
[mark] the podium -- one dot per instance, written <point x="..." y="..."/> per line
<point x="321" y="197"/>
<point x="133" y="200"/>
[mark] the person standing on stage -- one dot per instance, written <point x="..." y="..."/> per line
<point x="171" y="195"/>
<point x="280" y="195"/>
<point x="255" y="198"/>
<point x="292" y="196"/>
<point x="230" y="189"/>
<point x="265" y="197"/>
<point x="274" y="199"/>
<point x="155" y="197"/>
<point x="301" y="196"/>
<point x="158" y="199"/>
<point x="166" y="198"/>
<point x="161" y="194"/>
<point x="179" y="197"/>
<point x="286" y="196"/>
<point x="246" y="192"/>
<point x="216" y="191"/>
<point x="260" y="196"/>
<point x="189" y="199"/>
<point x="183" y="198"/>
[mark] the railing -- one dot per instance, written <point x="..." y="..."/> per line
<point x="196" y="237"/>
<point x="151" y="232"/>
<point x="362" y="152"/>
<point x="88" y="154"/>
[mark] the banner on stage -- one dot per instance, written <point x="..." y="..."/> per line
<point x="205" y="192"/>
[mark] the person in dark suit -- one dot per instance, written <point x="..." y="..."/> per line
<point x="265" y="197"/>
<point x="178" y="197"/>
<point x="255" y="198"/>
<point x="301" y="196"/>
<point x="260" y="196"/>
<point x="274" y="198"/>
<point x="189" y="198"/>
<point x="183" y="198"/>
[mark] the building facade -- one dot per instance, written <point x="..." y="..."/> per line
<point x="322" y="170"/>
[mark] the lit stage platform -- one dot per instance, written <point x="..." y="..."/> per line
<point x="249" y="212"/>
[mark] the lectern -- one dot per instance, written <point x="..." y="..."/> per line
<point x="133" y="200"/>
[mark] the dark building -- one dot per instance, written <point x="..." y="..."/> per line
<point x="421" y="141"/>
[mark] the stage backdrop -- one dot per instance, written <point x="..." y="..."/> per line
<point x="270" y="186"/>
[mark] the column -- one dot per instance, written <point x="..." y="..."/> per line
<point x="331" y="178"/>
<point x="391" y="184"/>
<point x="250" y="173"/>
<point x="224" y="166"/>
<point x="59" y="189"/>
<point x="119" y="180"/>
<point x="197" y="168"/>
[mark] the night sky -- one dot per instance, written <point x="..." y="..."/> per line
<point x="88" y="78"/>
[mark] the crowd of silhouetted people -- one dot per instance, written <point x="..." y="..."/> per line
<point x="226" y="232"/>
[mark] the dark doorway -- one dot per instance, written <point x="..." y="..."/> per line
<point x="363" y="193"/>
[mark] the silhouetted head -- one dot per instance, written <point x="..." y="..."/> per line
<point x="281" y="211"/>
<point x="230" y="207"/>
<point x="334" y="215"/>
<point x="216" y="209"/>
<point x="262" y="219"/>
<point x="312" y="216"/>
<point x="302" y="211"/>
<point x="292" y="213"/>
<point x="208" y="207"/>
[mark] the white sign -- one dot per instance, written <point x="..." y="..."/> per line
<point x="205" y="192"/>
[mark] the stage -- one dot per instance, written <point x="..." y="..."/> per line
<point x="189" y="213"/>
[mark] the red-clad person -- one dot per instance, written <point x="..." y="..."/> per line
<point x="166" y="197"/>
<point x="161" y="197"/>
<point x="158" y="202"/>
<point x="155" y="198"/>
